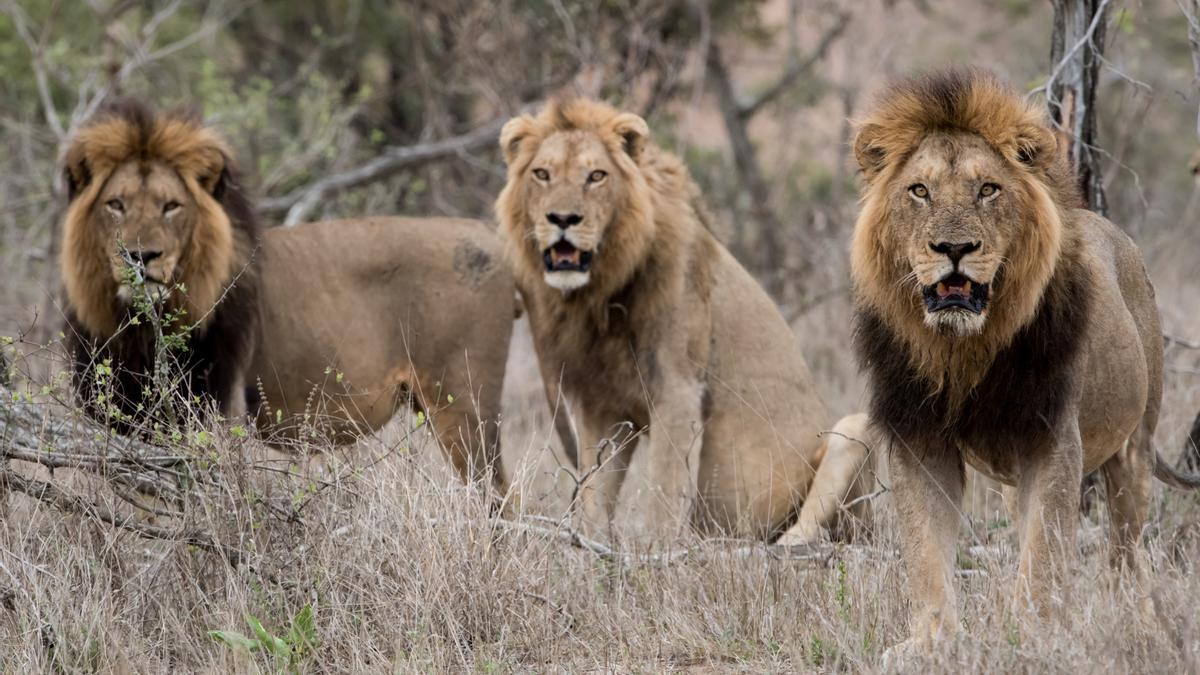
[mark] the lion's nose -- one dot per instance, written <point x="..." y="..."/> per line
<point x="143" y="257"/>
<point x="954" y="251"/>
<point x="564" y="220"/>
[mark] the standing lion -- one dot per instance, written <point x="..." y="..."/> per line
<point x="645" y="322"/>
<point x="1000" y="325"/>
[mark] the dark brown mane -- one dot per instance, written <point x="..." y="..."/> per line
<point x="218" y="347"/>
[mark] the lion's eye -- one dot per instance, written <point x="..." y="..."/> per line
<point x="115" y="205"/>
<point x="988" y="190"/>
<point x="919" y="191"/>
<point x="541" y="174"/>
<point x="597" y="176"/>
<point x="171" y="207"/>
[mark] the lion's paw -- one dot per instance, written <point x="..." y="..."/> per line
<point x="903" y="657"/>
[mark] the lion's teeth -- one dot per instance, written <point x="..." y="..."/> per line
<point x="966" y="287"/>
<point x="941" y="288"/>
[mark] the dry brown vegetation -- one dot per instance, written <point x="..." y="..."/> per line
<point x="405" y="569"/>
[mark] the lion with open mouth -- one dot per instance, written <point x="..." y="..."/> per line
<point x="1000" y="325"/>
<point x="646" y="323"/>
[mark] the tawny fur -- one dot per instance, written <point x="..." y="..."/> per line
<point x="213" y="281"/>
<point x="1015" y="129"/>
<point x="1065" y="375"/>
<point x="198" y="154"/>
<point x="669" y="335"/>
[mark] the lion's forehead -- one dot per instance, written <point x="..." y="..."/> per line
<point x="151" y="180"/>
<point x="573" y="150"/>
<point x="956" y="156"/>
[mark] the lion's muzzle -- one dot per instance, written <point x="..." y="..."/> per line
<point x="956" y="291"/>
<point x="565" y="257"/>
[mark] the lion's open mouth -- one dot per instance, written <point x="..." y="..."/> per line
<point x="564" y="257"/>
<point x="956" y="291"/>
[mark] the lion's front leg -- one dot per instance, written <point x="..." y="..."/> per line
<point x="927" y="479"/>
<point x="605" y="447"/>
<point x="1048" y="510"/>
<point x="676" y="436"/>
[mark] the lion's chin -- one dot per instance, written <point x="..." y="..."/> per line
<point x="567" y="280"/>
<point x="955" y="323"/>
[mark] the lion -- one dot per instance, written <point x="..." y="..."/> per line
<point x="158" y="239"/>
<point x="1000" y="325"/>
<point x="320" y="332"/>
<point x="644" y="322"/>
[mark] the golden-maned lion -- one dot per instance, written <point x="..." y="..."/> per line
<point x="330" y="328"/>
<point x="645" y="322"/>
<point x="1000" y="325"/>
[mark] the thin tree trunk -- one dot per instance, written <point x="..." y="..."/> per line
<point x="745" y="157"/>
<point x="1076" y="45"/>
<point x="1076" y="48"/>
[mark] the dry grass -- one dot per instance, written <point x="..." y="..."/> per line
<point x="405" y="570"/>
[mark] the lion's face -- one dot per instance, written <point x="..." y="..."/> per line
<point x="146" y="216"/>
<point x="571" y="193"/>
<point x="576" y="205"/>
<point x="955" y="199"/>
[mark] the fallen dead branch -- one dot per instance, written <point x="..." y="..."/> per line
<point x="49" y="494"/>
<point x="820" y="555"/>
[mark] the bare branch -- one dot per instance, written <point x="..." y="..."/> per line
<point x="20" y="21"/>
<point x="797" y="68"/>
<point x="300" y="203"/>
<point x="1048" y="85"/>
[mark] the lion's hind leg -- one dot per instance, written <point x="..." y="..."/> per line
<point x="845" y="476"/>
<point x="1127" y="479"/>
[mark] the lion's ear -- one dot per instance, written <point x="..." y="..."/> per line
<point x="633" y="131"/>
<point x="1036" y="147"/>
<point x="77" y="174"/>
<point x="514" y="133"/>
<point x="871" y="158"/>
<point x="215" y="174"/>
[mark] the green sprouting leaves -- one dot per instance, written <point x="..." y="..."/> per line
<point x="288" y="651"/>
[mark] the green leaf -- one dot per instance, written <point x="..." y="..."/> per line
<point x="304" y="630"/>
<point x="234" y="639"/>
<point x="272" y="644"/>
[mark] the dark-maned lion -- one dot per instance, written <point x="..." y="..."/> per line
<point x="1000" y="325"/>
<point x="156" y="220"/>
<point x="648" y="323"/>
<point x="328" y="327"/>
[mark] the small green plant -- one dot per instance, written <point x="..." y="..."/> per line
<point x="288" y="651"/>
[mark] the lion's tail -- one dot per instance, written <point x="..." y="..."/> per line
<point x="1181" y="477"/>
<point x="1171" y="476"/>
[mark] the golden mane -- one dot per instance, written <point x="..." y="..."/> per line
<point x="662" y="205"/>
<point x="974" y="102"/>
<point x="223" y="239"/>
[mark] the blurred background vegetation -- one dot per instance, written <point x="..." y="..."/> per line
<point x="756" y="95"/>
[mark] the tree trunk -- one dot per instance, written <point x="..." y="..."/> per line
<point x="1076" y="45"/>
<point x="1076" y="48"/>
<point x="771" y="262"/>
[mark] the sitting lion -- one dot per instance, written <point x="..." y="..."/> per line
<point x="328" y="328"/>
<point x="645" y="322"/>
<point x="1000" y="325"/>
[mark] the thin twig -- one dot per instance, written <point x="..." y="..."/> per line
<point x="53" y="496"/>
